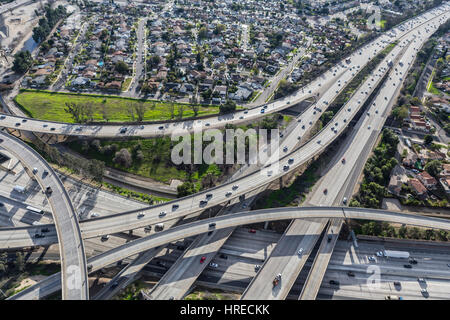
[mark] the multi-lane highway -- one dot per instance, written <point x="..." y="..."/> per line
<point x="73" y="260"/>
<point x="53" y="283"/>
<point x="248" y="183"/>
<point x="329" y="188"/>
<point x="358" y="58"/>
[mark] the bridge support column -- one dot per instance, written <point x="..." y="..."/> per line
<point x="266" y="225"/>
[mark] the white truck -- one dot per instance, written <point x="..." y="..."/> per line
<point x="396" y="254"/>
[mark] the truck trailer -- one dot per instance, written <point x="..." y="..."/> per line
<point x="396" y="254"/>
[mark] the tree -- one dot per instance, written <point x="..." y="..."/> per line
<point x="433" y="167"/>
<point x="228" y="107"/>
<point x="20" y="262"/>
<point x="202" y="33"/>
<point x="123" y="158"/>
<point x="22" y="61"/>
<point x="96" y="169"/>
<point x="140" y="109"/>
<point x="195" y="109"/>
<point x="428" y="139"/>
<point x="186" y="189"/>
<point x="121" y="67"/>
<point x="75" y="110"/>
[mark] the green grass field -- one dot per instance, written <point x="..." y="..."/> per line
<point x="50" y="106"/>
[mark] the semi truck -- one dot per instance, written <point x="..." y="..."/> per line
<point x="396" y="254"/>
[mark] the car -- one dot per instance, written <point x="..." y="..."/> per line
<point x="141" y="127"/>
<point x="448" y="265"/>
<point x="2" y="117"/>
<point x="251" y="231"/>
<point x="368" y="127"/>
<point x="300" y="251"/>
<point x="229" y="193"/>
<point x="424" y="292"/>
<point x="329" y="238"/>
<point x="213" y="265"/>
<point x="207" y="124"/>
<point x="115" y="284"/>
<point x="162" y="213"/>
<point x="45" y="125"/>
<point x="285" y="149"/>
<point x="334" y="282"/>
<point x="350" y="273"/>
<point x="344" y="201"/>
<point x="371" y="258"/>
<point x="262" y="111"/>
<point x="291" y="160"/>
<point x="223" y="256"/>
<point x="147" y="229"/>
<point x="303" y="127"/>
<point x="281" y="135"/>
<point x="78" y="128"/>
<point x="94" y="214"/>
<point x="421" y="280"/>
<point x="299" y="138"/>
<point x="343" y="160"/>
<point x="413" y="261"/>
<point x="89" y="267"/>
<point x="52" y="129"/>
<point x="299" y="120"/>
<point x="245" y="112"/>
<point x="175" y="207"/>
<point x="44" y="174"/>
<point x="397" y="283"/>
<point x="48" y="190"/>
<point x="35" y="170"/>
<point x="235" y="187"/>
<point x="161" y="127"/>
<point x="17" y="124"/>
<point x="257" y="267"/>
<point x="105" y="237"/>
<point x="202" y="259"/>
<point x="123" y="130"/>
<point x="325" y="191"/>
<point x="208" y="196"/>
<point x="376" y="111"/>
<point x="212" y="225"/>
<point x="379" y="253"/>
<point x="140" y="215"/>
<point x="39" y="235"/>
<point x="203" y="203"/>
<point x="241" y="117"/>
<point x="407" y="266"/>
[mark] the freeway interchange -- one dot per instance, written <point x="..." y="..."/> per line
<point x="334" y="81"/>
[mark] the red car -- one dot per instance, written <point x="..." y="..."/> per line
<point x="252" y="231"/>
<point x="202" y="259"/>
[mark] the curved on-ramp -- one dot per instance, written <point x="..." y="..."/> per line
<point x="53" y="284"/>
<point x="73" y="259"/>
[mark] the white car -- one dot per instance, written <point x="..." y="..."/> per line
<point x="213" y="265"/>
<point x="379" y="253"/>
<point x="300" y="251"/>
<point x="94" y="215"/>
<point x="371" y="259"/>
